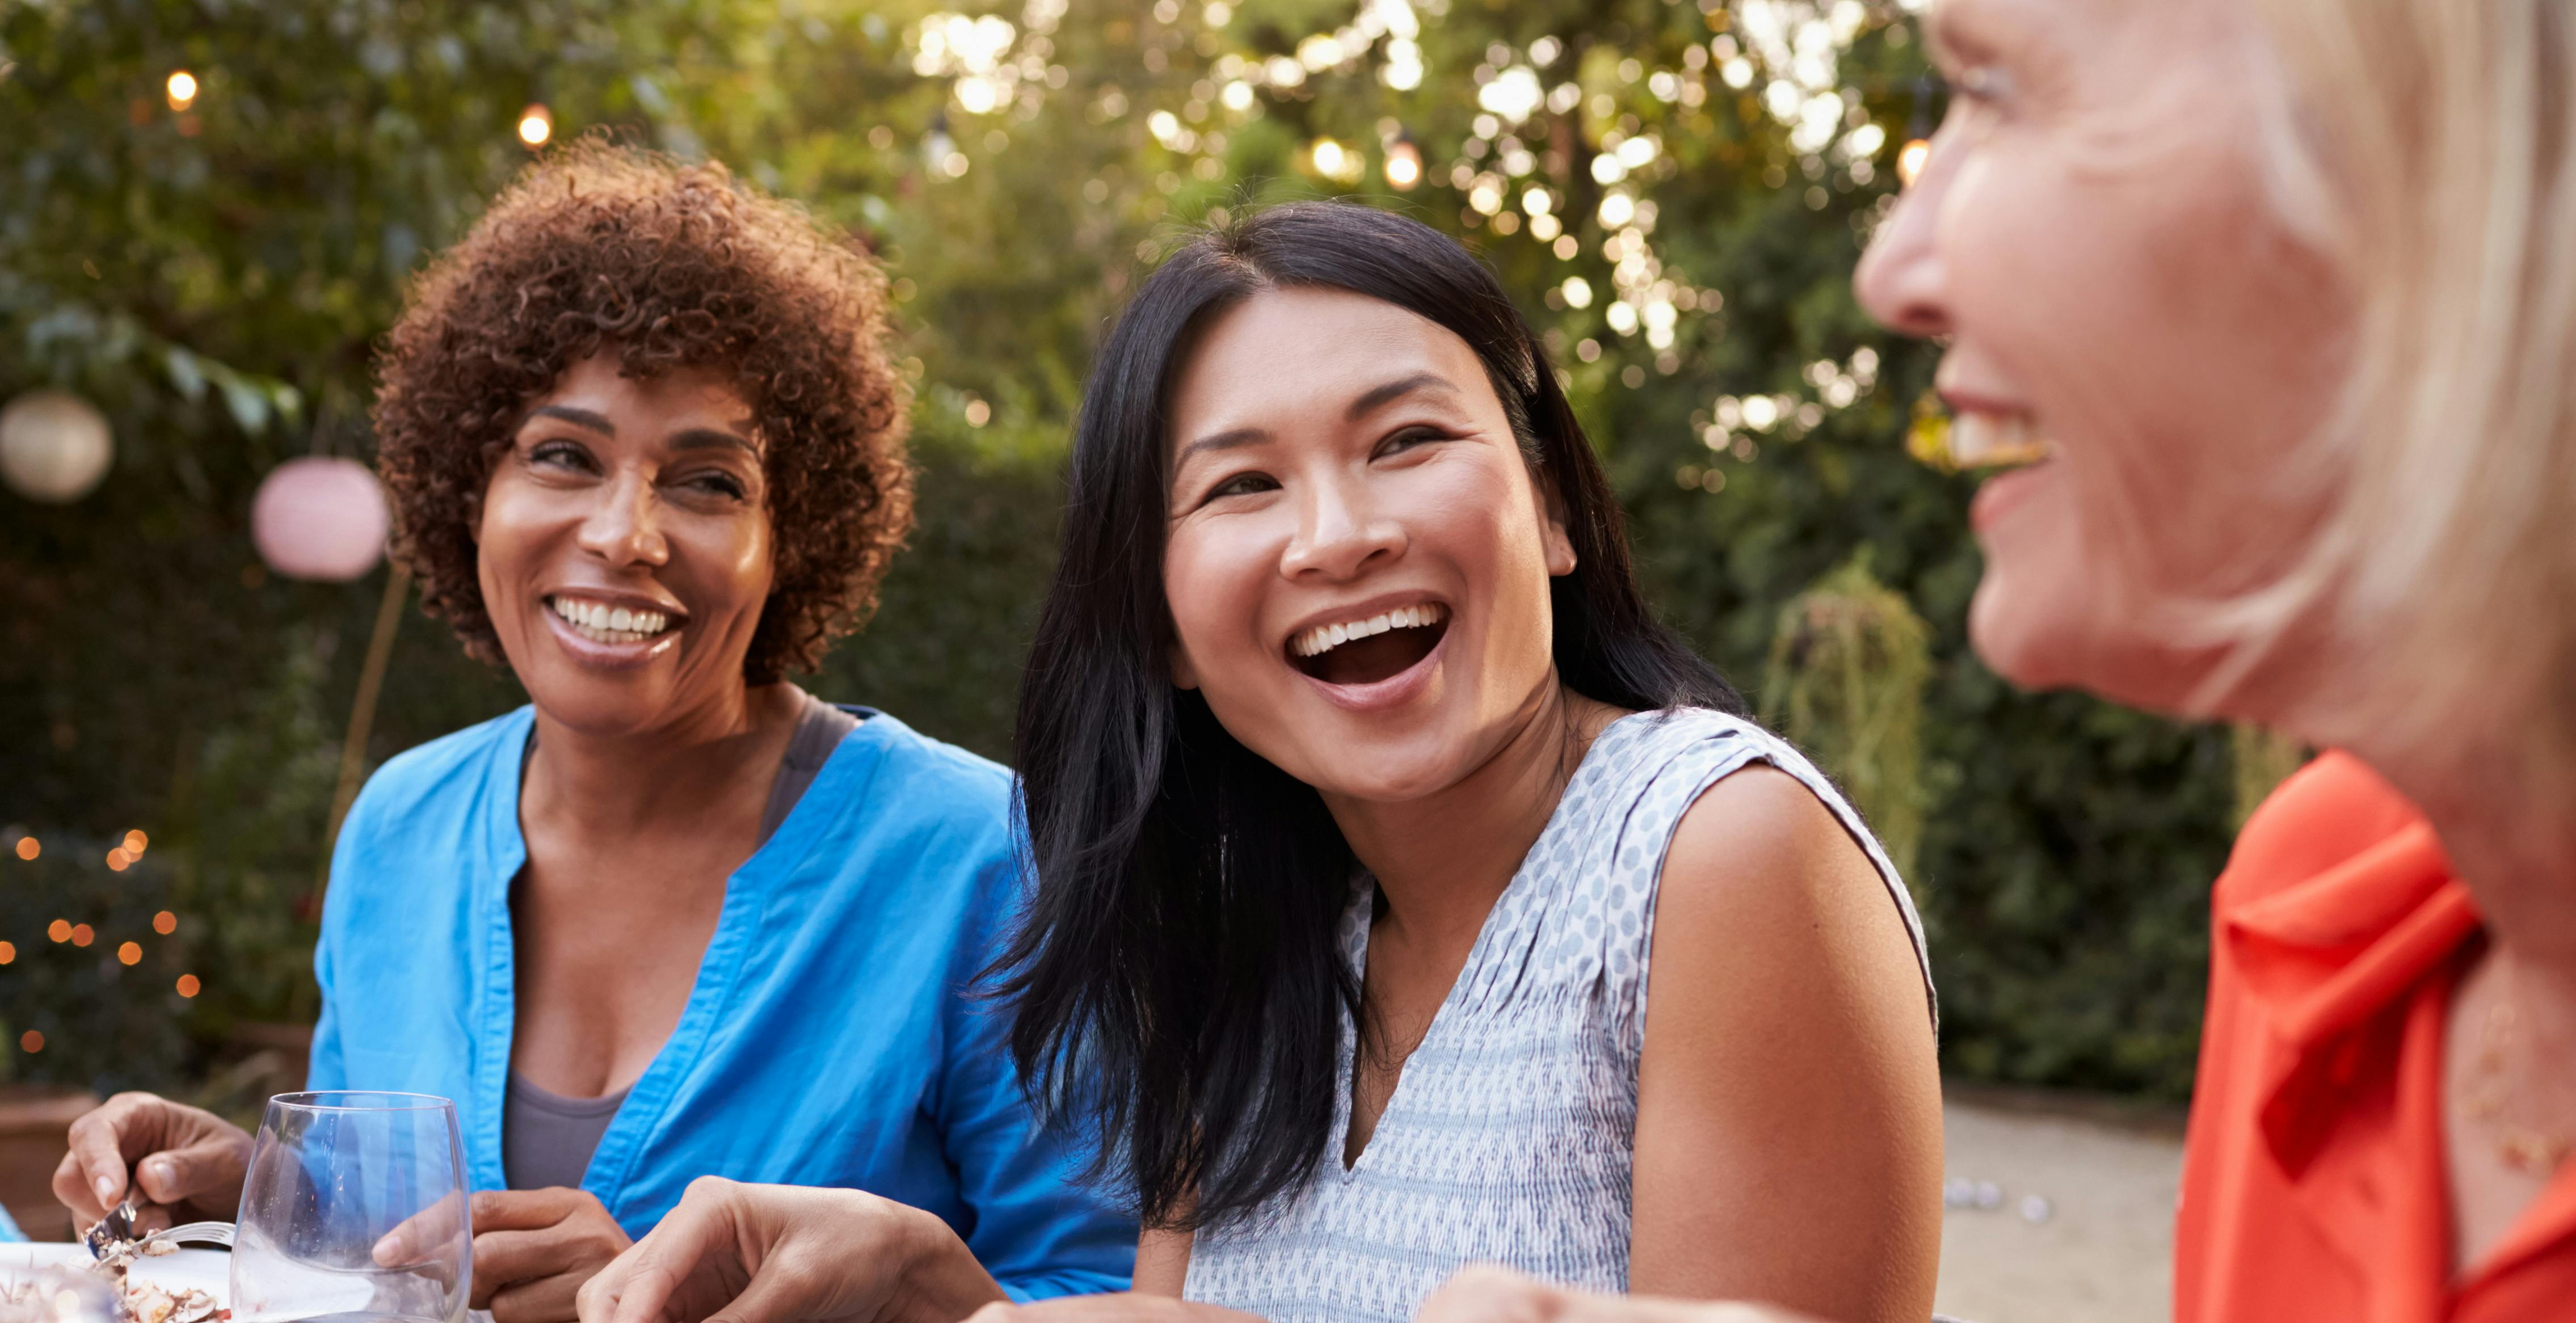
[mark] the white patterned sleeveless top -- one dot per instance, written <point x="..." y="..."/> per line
<point x="1510" y="1135"/>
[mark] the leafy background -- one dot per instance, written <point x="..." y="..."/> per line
<point x="215" y="279"/>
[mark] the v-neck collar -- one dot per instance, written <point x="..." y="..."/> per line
<point x="1355" y="939"/>
<point x="842" y="780"/>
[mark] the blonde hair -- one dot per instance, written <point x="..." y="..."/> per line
<point x="2427" y="148"/>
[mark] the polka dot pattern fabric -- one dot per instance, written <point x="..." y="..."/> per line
<point x="1509" y="1138"/>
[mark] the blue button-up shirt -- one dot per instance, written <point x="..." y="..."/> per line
<point x="830" y="1039"/>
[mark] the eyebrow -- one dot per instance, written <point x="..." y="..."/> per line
<point x="695" y="438"/>
<point x="704" y="438"/>
<point x="1396" y="390"/>
<point x="580" y="417"/>
<point x="1376" y="397"/>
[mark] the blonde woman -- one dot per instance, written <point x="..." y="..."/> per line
<point x="2282" y="298"/>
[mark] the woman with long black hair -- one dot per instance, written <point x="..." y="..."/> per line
<point x="1362" y="793"/>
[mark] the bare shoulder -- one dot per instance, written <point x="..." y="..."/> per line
<point x="1760" y="844"/>
<point x="1762" y="873"/>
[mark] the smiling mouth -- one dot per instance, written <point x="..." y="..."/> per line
<point x="1997" y="441"/>
<point x="601" y="622"/>
<point x="1370" y="649"/>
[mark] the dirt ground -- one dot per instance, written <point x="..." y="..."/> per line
<point x="2097" y="1247"/>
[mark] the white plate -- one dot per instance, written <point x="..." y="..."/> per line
<point x="206" y="1270"/>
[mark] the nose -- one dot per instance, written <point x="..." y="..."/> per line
<point x="1901" y="281"/>
<point x="1340" y="535"/>
<point x="624" y="528"/>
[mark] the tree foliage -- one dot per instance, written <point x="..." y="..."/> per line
<point x="1676" y="193"/>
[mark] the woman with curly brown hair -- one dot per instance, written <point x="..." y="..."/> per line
<point x="676" y="919"/>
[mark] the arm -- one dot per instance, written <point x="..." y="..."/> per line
<point x="1039" y="1227"/>
<point x="1788" y="1141"/>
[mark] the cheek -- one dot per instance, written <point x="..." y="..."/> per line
<point x="1212" y="579"/>
<point x="2175" y="354"/>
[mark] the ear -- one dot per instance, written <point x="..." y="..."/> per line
<point x="1185" y="673"/>
<point x="1553" y="538"/>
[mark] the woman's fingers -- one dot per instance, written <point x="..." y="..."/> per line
<point x="188" y="1157"/>
<point x="543" y="1300"/>
<point x="1486" y="1294"/>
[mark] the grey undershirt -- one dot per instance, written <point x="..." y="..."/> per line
<point x="547" y="1139"/>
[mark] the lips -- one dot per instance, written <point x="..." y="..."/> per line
<point x="1371" y="655"/>
<point x="613" y="631"/>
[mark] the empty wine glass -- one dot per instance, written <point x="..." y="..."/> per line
<point x="354" y="1211"/>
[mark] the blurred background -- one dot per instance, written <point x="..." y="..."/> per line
<point x="209" y="210"/>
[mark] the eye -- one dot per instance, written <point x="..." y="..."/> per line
<point x="719" y="482"/>
<point x="1408" y="439"/>
<point x="1242" y="484"/>
<point x="563" y="454"/>
<point x="1981" y="84"/>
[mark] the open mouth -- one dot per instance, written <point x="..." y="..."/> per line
<point x="601" y="622"/>
<point x="1997" y="441"/>
<point x="1370" y="649"/>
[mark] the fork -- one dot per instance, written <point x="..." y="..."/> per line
<point x="118" y="1227"/>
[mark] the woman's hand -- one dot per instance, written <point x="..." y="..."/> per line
<point x="533" y="1249"/>
<point x="1497" y="1295"/>
<point x="181" y="1164"/>
<point x="733" y="1253"/>
<point x="1124" y="1307"/>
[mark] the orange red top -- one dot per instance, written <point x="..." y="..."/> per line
<point x="2314" y="1185"/>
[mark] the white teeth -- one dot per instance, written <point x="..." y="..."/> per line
<point x="1325" y="638"/>
<point x="1985" y="441"/>
<point x="602" y="623"/>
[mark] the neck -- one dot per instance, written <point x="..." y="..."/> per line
<point x="1441" y="861"/>
<point x="2506" y="828"/>
<point x="674" y="772"/>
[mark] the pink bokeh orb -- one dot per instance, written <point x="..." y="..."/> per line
<point x="321" y="519"/>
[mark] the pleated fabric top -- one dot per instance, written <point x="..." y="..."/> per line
<point x="1510" y="1135"/>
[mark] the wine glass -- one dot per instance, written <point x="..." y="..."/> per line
<point x="354" y="1211"/>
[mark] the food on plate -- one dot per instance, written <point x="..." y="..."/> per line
<point x="145" y="1302"/>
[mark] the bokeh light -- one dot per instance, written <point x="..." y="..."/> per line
<point x="536" y="125"/>
<point x="181" y="89"/>
<point x="8" y="952"/>
<point x="31" y="1042"/>
<point x="83" y="934"/>
<point x="28" y="848"/>
<point x="165" y="923"/>
<point x="135" y="840"/>
<point x="129" y="953"/>
<point x="1910" y="159"/>
<point x="1403" y="166"/>
<point x="59" y="930"/>
<point x="188" y="985"/>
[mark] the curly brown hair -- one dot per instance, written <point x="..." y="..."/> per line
<point x="599" y="248"/>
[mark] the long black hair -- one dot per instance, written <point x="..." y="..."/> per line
<point x="1176" y="981"/>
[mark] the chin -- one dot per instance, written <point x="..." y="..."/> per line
<point x="1384" y="772"/>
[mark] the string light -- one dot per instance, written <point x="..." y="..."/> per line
<point x="165" y="923"/>
<point x="129" y="953"/>
<point x="59" y="930"/>
<point x="27" y="847"/>
<point x="188" y="985"/>
<point x="536" y="125"/>
<point x="8" y="953"/>
<point x="181" y="89"/>
<point x="31" y="1042"/>
<point x="135" y="840"/>
<point x="83" y="934"/>
<point x="118" y="859"/>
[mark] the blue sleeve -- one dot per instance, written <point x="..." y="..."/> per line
<point x="1039" y="1228"/>
<point x="9" y="1232"/>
